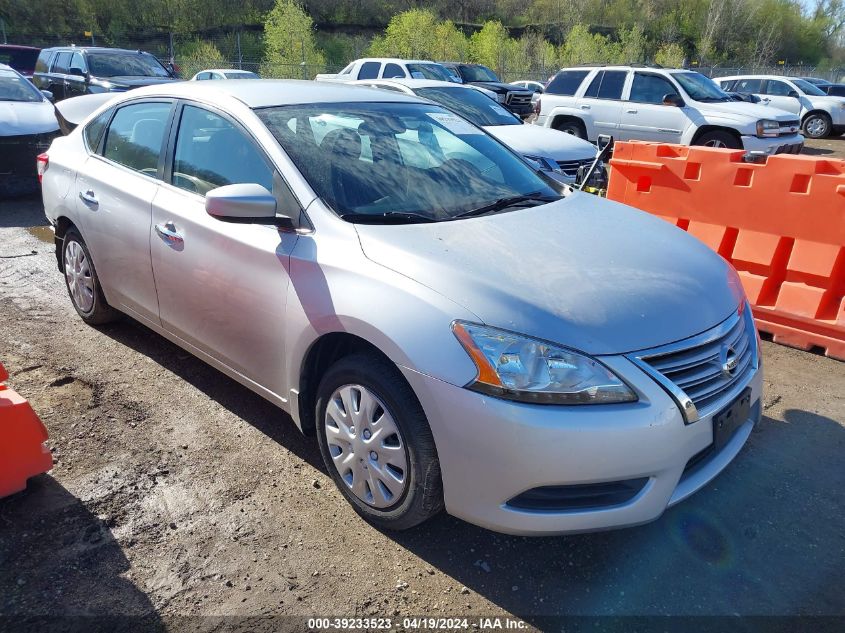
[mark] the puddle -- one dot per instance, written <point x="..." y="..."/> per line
<point x="43" y="233"/>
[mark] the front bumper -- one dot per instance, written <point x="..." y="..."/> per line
<point x="493" y="450"/>
<point x="790" y="144"/>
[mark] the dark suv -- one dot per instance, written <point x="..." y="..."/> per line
<point x="516" y="98"/>
<point x="78" y="70"/>
<point x="21" y="58"/>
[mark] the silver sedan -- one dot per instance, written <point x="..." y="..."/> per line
<point x="455" y="328"/>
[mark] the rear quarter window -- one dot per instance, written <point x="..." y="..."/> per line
<point x="566" y="82"/>
<point x="43" y="62"/>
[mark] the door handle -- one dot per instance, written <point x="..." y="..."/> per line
<point x="631" y="111"/>
<point x="168" y="233"/>
<point x="585" y="107"/>
<point x="89" y="198"/>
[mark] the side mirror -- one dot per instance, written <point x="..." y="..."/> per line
<point x="47" y="95"/>
<point x="793" y="93"/>
<point x="77" y="72"/>
<point x="248" y="203"/>
<point x="673" y="99"/>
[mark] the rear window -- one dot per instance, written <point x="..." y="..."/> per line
<point x="566" y="82"/>
<point x="369" y="70"/>
<point x="62" y="63"/>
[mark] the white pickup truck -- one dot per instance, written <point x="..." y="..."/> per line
<point x="389" y="68"/>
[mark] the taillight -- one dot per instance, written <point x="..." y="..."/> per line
<point x="41" y="163"/>
<point x="537" y="107"/>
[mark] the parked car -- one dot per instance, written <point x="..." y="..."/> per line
<point x="559" y="155"/>
<point x="27" y="126"/>
<point x="536" y="87"/>
<point x="454" y="330"/>
<point x="820" y="115"/>
<point x="224" y="73"/>
<point x="664" y="105"/>
<point x="827" y="87"/>
<point x="515" y="98"/>
<point x="70" y="71"/>
<point x="388" y="68"/>
<point x="21" y="58"/>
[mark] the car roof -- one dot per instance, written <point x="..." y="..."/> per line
<point x="755" y="77"/>
<point x="19" y="47"/>
<point x="415" y="83"/>
<point x="262" y="93"/>
<point x="225" y="70"/>
<point x="396" y="60"/>
<point x="95" y="49"/>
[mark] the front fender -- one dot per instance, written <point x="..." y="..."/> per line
<point x="571" y="110"/>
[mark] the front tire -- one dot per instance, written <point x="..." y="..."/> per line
<point x="573" y="127"/>
<point x="718" y="138"/>
<point x="377" y="444"/>
<point x="817" y="125"/>
<point x="82" y="282"/>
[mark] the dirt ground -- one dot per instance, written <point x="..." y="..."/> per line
<point x="827" y="147"/>
<point x="177" y="492"/>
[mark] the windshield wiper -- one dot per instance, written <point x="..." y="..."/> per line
<point x="388" y="217"/>
<point x="504" y="203"/>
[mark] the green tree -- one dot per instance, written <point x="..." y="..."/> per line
<point x="196" y="55"/>
<point x="583" y="47"/>
<point x="489" y="45"/>
<point x="290" y="49"/>
<point x="670" y="55"/>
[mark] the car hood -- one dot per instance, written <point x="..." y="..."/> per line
<point x="534" y="140"/>
<point x="743" y="109"/>
<point x="825" y="102"/>
<point x="135" y="82"/>
<point x="17" y="118"/>
<point x="582" y="272"/>
<point x="499" y="86"/>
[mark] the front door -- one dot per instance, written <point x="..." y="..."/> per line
<point x="777" y="94"/>
<point x="114" y="195"/>
<point x="221" y="285"/>
<point x="645" y="118"/>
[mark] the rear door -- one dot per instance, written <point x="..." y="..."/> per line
<point x="776" y="93"/>
<point x="115" y="189"/>
<point x="57" y="75"/>
<point x="601" y="103"/>
<point x="644" y="116"/>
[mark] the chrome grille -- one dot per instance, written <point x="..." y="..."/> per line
<point x="695" y="371"/>
<point x="518" y="99"/>
<point x="570" y="167"/>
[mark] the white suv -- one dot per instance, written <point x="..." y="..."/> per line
<point x="389" y="68"/>
<point x="820" y="114"/>
<point x="664" y="105"/>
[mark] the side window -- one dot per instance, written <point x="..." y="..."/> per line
<point x="43" y="64"/>
<point x="369" y="70"/>
<point x="650" y="89"/>
<point x="211" y="152"/>
<point x="77" y="62"/>
<point x="62" y="63"/>
<point x="777" y="88"/>
<point x="595" y="84"/>
<point x="612" y="84"/>
<point x="393" y="70"/>
<point x="566" y="82"/>
<point x="94" y="130"/>
<point x="203" y="76"/>
<point x="747" y="86"/>
<point x="135" y="136"/>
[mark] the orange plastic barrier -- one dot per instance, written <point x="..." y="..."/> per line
<point x="22" y="436"/>
<point x="780" y="222"/>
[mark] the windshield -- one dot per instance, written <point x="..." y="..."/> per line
<point x="808" y="89"/>
<point x="478" y="73"/>
<point x="375" y="160"/>
<point x="241" y="75"/>
<point x="428" y="71"/>
<point x="13" y="87"/>
<point x="701" y="88"/>
<point x="21" y="59"/>
<point x="125" y="65"/>
<point x="470" y="104"/>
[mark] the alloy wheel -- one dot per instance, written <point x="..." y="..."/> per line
<point x="366" y="446"/>
<point x="78" y="276"/>
<point x="816" y="127"/>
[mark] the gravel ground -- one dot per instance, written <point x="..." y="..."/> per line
<point x="826" y="147"/>
<point x="177" y="492"/>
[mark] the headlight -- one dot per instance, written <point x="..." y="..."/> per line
<point x="501" y="97"/>
<point x="768" y="127"/>
<point x="542" y="162"/>
<point x="529" y="370"/>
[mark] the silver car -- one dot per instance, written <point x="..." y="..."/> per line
<point x="456" y="331"/>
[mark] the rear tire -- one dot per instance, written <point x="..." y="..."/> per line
<point x="376" y="433"/>
<point x="718" y="138"/>
<point x="817" y="125"/>
<point x="573" y="127"/>
<point x="82" y="282"/>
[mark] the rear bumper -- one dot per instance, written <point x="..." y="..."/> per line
<point x="493" y="450"/>
<point x="18" y="173"/>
